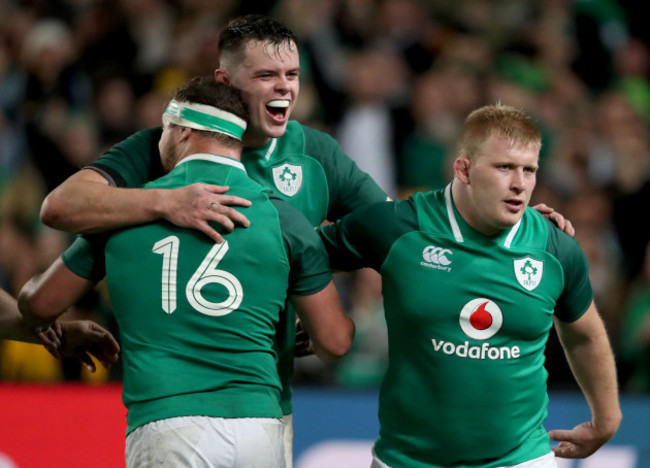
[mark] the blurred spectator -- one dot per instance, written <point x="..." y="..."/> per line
<point x="114" y="104"/>
<point x="104" y="39"/>
<point x="632" y="78"/>
<point x="374" y="82"/>
<point x="55" y="87"/>
<point x="424" y="151"/>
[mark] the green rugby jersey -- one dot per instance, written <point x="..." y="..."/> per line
<point x="305" y="167"/>
<point x="197" y="319"/>
<point x="468" y="318"/>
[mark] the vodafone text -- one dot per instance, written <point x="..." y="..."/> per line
<point x="484" y="351"/>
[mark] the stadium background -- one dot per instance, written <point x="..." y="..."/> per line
<point x="392" y="80"/>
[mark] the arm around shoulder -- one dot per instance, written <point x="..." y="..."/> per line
<point x="86" y="203"/>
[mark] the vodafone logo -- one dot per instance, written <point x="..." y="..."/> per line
<point x="481" y="319"/>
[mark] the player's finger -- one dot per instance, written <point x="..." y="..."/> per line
<point x="105" y="340"/>
<point x="222" y="220"/>
<point x="560" y="434"/>
<point x="86" y="360"/>
<point x="232" y="200"/>
<point x="216" y="189"/>
<point x="544" y="208"/>
<point x="227" y="217"/>
<point x="569" y="229"/>
<point x="51" y="341"/>
<point x="52" y="346"/>
<point x="566" y="450"/>
<point x="209" y="231"/>
<point x="56" y="326"/>
<point x="557" y="219"/>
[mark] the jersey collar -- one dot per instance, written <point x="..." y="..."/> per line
<point x="454" y="224"/>
<point x="215" y="158"/>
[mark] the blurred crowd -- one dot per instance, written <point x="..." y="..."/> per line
<point x="392" y="80"/>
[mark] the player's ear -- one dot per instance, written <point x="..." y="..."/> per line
<point x="221" y="76"/>
<point x="185" y="133"/>
<point x="461" y="169"/>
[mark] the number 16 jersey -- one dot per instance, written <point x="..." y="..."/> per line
<point x="197" y="320"/>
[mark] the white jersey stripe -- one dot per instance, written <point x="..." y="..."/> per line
<point x="450" y="214"/>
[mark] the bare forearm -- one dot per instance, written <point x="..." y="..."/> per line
<point x="46" y="296"/>
<point x="592" y="364"/>
<point x="329" y="353"/>
<point x="83" y="205"/>
<point x="12" y="326"/>
<point x="590" y="356"/>
<point x="330" y="329"/>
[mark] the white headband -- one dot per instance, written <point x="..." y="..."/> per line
<point x="204" y="117"/>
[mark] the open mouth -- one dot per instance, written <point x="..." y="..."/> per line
<point x="514" y="205"/>
<point x="278" y="109"/>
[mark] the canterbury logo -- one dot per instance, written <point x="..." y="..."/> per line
<point x="436" y="257"/>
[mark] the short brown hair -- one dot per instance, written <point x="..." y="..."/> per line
<point x="504" y="121"/>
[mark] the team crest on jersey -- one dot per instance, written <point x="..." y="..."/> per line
<point x="288" y="179"/>
<point x="529" y="272"/>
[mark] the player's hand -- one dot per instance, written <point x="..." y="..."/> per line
<point x="82" y="338"/>
<point x="196" y="205"/>
<point x="50" y="337"/>
<point x="557" y="218"/>
<point x="303" y="346"/>
<point x="581" y="441"/>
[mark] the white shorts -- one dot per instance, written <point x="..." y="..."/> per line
<point x="287" y="420"/>
<point x="545" y="461"/>
<point x="205" y="442"/>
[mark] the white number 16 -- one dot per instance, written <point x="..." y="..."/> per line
<point x="207" y="273"/>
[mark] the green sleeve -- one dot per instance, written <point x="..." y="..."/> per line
<point x="364" y="238"/>
<point x="310" y="270"/>
<point x="577" y="294"/>
<point x="85" y="257"/>
<point x="349" y="187"/>
<point x="132" y="162"/>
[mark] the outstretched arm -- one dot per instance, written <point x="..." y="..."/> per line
<point x="590" y="357"/>
<point x="86" y="203"/>
<point x="48" y="295"/>
<point x="76" y="338"/>
<point x="330" y="330"/>
<point x="12" y="325"/>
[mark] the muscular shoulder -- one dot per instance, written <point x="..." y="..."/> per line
<point x="577" y="293"/>
<point x="321" y="145"/>
<point x="564" y="247"/>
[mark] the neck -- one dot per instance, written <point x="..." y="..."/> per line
<point x="217" y="148"/>
<point x="253" y="139"/>
<point x="464" y="203"/>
